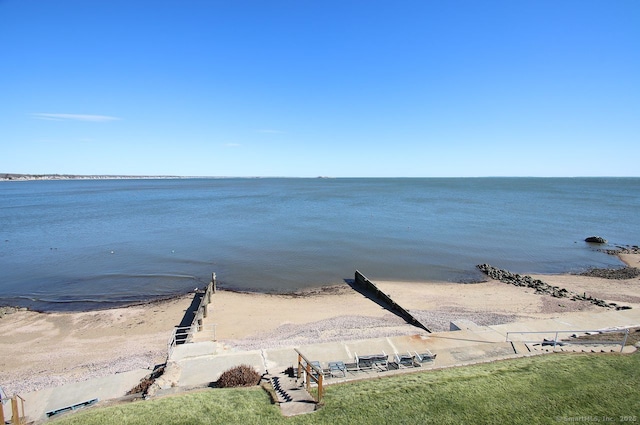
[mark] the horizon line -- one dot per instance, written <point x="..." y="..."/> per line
<point x="69" y="176"/>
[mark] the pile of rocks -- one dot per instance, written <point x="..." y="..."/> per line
<point x="10" y="310"/>
<point x="629" y="249"/>
<point x="506" y="276"/>
<point x="541" y="287"/>
<point x="618" y="274"/>
<point x="598" y="302"/>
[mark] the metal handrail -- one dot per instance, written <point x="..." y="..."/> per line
<point x="555" y="340"/>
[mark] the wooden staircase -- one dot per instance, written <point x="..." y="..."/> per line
<point x="293" y="398"/>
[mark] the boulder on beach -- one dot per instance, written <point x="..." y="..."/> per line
<point x="595" y="239"/>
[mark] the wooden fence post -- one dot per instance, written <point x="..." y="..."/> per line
<point x="15" y="419"/>
<point x="207" y="293"/>
<point x="320" y="388"/>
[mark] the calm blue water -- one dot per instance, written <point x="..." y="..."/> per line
<point x="69" y="245"/>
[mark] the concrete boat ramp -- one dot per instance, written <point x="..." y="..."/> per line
<point x="198" y="364"/>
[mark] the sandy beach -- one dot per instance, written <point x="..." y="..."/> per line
<point x="39" y="350"/>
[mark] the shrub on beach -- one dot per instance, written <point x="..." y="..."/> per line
<point x="239" y="376"/>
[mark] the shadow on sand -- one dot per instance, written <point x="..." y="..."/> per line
<point x="187" y="320"/>
<point x="390" y="307"/>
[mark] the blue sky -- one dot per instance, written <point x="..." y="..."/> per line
<point x="331" y="88"/>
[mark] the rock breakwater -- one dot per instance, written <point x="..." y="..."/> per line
<point x="629" y="249"/>
<point x="618" y="274"/>
<point x="541" y="287"/>
<point x="10" y="310"/>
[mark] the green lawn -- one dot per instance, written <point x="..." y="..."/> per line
<point x="553" y="389"/>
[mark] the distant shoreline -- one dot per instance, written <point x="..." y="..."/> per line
<point x="35" y="177"/>
<point x="31" y="177"/>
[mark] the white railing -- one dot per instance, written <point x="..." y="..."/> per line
<point x="554" y="335"/>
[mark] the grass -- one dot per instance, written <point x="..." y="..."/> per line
<point x="545" y="389"/>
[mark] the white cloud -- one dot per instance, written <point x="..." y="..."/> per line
<point x="74" y="117"/>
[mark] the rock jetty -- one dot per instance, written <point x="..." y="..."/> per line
<point x="10" y="310"/>
<point x="623" y="273"/>
<point x="506" y="276"/>
<point x="541" y="287"/>
<point x="629" y="249"/>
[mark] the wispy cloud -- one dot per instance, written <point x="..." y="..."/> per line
<point x="74" y="117"/>
<point x="270" y="131"/>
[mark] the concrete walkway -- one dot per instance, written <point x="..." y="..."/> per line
<point x="200" y="364"/>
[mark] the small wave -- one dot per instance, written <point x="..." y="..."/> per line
<point x="142" y="276"/>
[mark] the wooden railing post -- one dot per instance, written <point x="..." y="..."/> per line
<point x="309" y="370"/>
<point x="308" y="381"/>
<point x="320" y="388"/>
<point x="21" y="405"/>
<point x="15" y="419"/>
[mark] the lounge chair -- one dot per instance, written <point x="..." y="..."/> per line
<point x="364" y="362"/>
<point x="381" y="361"/>
<point x="427" y="356"/>
<point x="353" y="366"/>
<point x="373" y="361"/>
<point x="406" y="360"/>
<point x="337" y="368"/>
<point x="316" y="364"/>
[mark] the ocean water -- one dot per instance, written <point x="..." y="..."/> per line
<point x="86" y="244"/>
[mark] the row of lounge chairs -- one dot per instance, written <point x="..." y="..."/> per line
<point x="373" y="362"/>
